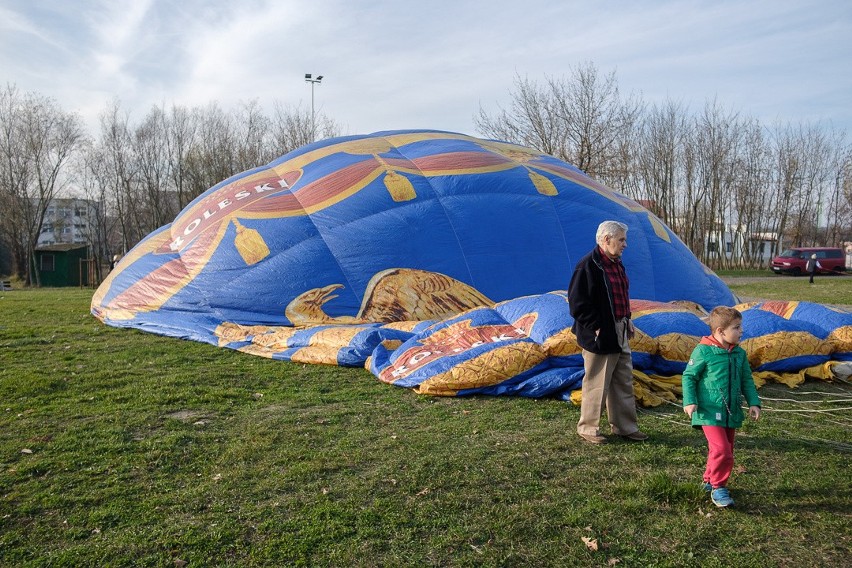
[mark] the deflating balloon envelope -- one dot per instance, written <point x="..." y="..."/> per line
<point x="351" y="243"/>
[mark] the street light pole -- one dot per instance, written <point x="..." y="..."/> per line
<point x="309" y="79"/>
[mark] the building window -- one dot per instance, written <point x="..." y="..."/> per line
<point x="728" y="247"/>
<point x="758" y="247"/>
<point x="47" y="264"/>
<point x="712" y="246"/>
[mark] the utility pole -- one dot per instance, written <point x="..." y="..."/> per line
<point x="309" y="79"/>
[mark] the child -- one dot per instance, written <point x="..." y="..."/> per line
<point x="715" y="379"/>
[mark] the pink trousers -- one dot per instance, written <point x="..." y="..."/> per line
<point x="720" y="454"/>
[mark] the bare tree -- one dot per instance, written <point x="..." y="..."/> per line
<point x="252" y="137"/>
<point x="117" y="153"/>
<point x="531" y="121"/>
<point x="595" y="116"/>
<point x="799" y="171"/>
<point x="751" y="203"/>
<point x="818" y="173"/>
<point x="38" y="140"/>
<point x="292" y="127"/>
<point x="15" y="170"/>
<point x="659" y="157"/>
<point x="94" y="178"/>
<point x="716" y="178"/>
<point x="213" y="157"/>
<point x="717" y="138"/>
<point x="581" y="118"/>
<point x="179" y="126"/>
<point x="155" y="205"/>
<point x="839" y="199"/>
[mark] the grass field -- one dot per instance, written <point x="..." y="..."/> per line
<point x="120" y="448"/>
<point x="825" y="290"/>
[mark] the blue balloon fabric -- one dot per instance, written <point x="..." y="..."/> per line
<point x="387" y="249"/>
<point x="327" y="220"/>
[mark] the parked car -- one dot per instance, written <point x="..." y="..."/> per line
<point x="792" y="261"/>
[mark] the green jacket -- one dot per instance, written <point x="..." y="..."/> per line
<point x="716" y="379"/>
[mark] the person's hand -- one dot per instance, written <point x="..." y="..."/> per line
<point x="631" y="331"/>
<point x="690" y="408"/>
<point x="754" y="412"/>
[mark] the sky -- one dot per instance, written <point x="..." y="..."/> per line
<point x="401" y="64"/>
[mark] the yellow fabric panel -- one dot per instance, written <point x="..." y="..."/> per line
<point x="825" y="371"/>
<point x="822" y="372"/>
<point x="653" y="390"/>
<point x="840" y="339"/>
<point x="672" y="386"/>
<point x="257" y="350"/>
<point x="840" y="370"/>
<point x="391" y="344"/>
<point x="639" y="308"/>
<point x="487" y="369"/>
<point x="276" y="339"/>
<point x="402" y="325"/>
<point x="644" y="343"/>
<point x="645" y="396"/>
<point x="659" y="228"/>
<point x="562" y="344"/>
<point x="783" y="345"/>
<point x="576" y="397"/>
<point x="763" y="377"/>
<point x="316" y="355"/>
<point x="691" y="306"/>
<point x="676" y="346"/>
<point x="323" y="345"/>
<point x="228" y="332"/>
<point x="543" y="185"/>
<point x="250" y="244"/>
<point x="649" y="390"/>
<point x="792" y="380"/>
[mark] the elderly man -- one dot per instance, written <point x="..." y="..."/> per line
<point x="600" y="304"/>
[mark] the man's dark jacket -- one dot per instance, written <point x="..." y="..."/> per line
<point x="590" y="301"/>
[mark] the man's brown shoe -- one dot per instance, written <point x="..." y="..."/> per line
<point x="593" y="439"/>
<point x="637" y="436"/>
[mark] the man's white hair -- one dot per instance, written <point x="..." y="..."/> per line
<point x="609" y="229"/>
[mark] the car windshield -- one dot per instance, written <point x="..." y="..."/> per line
<point x="789" y="253"/>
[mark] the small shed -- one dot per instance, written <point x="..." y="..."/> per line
<point x="60" y="265"/>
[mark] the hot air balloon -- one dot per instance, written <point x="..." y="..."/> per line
<point x="350" y="249"/>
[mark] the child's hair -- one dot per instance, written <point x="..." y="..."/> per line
<point x="723" y="316"/>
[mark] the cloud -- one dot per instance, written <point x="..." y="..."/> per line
<point x="397" y="64"/>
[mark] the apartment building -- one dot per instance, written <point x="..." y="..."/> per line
<point x="68" y="220"/>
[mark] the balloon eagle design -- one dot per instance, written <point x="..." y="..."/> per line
<point x="434" y="259"/>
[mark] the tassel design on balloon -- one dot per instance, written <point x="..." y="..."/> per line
<point x="541" y="183"/>
<point x="399" y="186"/>
<point x="250" y="244"/>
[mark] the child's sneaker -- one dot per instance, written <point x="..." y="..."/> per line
<point x="705" y="486"/>
<point x="721" y="497"/>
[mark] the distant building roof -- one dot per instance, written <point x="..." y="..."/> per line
<point x="62" y="247"/>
